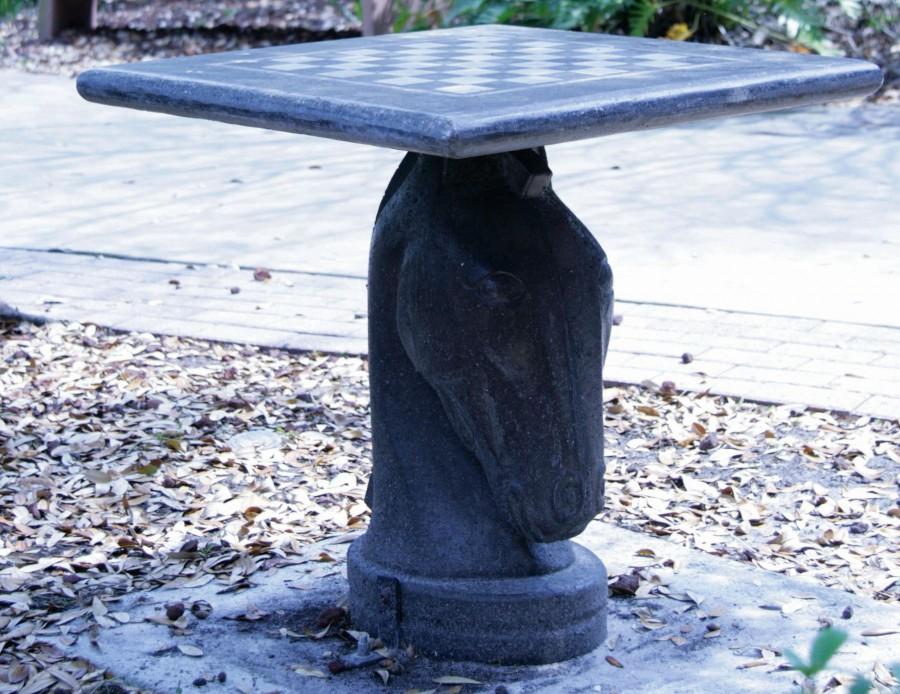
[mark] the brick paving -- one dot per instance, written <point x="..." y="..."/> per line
<point x="827" y="364"/>
<point x="788" y="214"/>
<point x="791" y="213"/>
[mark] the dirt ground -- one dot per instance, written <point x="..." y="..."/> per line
<point x="132" y="461"/>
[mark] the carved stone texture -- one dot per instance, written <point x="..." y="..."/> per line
<point x="489" y="315"/>
<point x="56" y="15"/>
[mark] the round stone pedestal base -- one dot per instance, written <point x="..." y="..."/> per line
<point x="510" y="621"/>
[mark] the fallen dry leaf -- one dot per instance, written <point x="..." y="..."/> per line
<point x="753" y="663"/>
<point x="454" y="679"/>
<point x="626" y="584"/>
<point x="880" y="632"/>
<point x="85" y="414"/>
<point x="308" y="671"/>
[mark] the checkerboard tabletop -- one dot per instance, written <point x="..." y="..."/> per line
<point x="484" y="61"/>
<point x="476" y="90"/>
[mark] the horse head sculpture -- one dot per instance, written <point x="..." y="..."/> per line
<point x="490" y="306"/>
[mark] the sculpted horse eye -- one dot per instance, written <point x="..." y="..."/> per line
<point x="500" y="289"/>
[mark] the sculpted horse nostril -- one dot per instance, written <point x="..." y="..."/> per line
<point x="568" y="500"/>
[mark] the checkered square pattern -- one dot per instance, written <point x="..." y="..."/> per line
<point x="466" y="64"/>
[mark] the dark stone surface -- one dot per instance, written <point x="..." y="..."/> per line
<point x="478" y="90"/>
<point x="489" y="316"/>
<point x="509" y="621"/>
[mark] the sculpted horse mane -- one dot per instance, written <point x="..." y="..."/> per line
<point x="490" y="305"/>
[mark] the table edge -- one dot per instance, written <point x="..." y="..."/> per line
<point x="506" y="132"/>
<point x="462" y="136"/>
<point x="271" y="110"/>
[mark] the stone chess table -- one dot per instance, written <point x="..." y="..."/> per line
<point x="477" y="90"/>
<point x="490" y="304"/>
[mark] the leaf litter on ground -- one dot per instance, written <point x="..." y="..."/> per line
<point x="273" y="454"/>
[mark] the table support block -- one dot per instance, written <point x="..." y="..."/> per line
<point x="489" y="315"/>
<point x="56" y="15"/>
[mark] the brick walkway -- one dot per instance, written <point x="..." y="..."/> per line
<point x="828" y="364"/>
<point x="788" y="214"/>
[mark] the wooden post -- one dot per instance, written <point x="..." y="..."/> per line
<point x="378" y="16"/>
<point x="56" y="15"/>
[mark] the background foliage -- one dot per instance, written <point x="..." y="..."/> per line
<point x="11" y="6"/>
<point x="819" y="25"/>
<point x="824" y="647"/>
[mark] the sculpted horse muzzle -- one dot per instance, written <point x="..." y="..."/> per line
<point x="490" y="310"/>
<point x="545" y="476"/>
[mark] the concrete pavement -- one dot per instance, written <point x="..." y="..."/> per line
<point x="763" y="219"/>
<point x="657" y="642"/>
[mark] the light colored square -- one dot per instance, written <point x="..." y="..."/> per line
<point x="600" y="72"/>
<point x="537" y="57"/>
<point x="292" y="60"/>
<point x="480" y="41"/>
<point x="469" y="79"/>
<point x="531" y="72"/>
<point x="529" y="61"/>
<point x="348" y="67"/>
<point x="346" y="74"/>
<point x="417" y="54"/>
<point x="356" y="60"/>
<point x="405" y="72"/>
<point x="290" y="67"/>
<point x="473" y="71"/>
<point x="597" y="49"/>
<point x="360" y="53"/>
<point x="597" y="62"/>
<point x="532" y="79"/>
<point x="424" y="64"/>
<point x="541" y="46"/>
<point x="536" y="67"/>
<point x="403" y="81"/>
<point x="424" y="46"/>
<point x="474" y="60"/>
<point x="464" y="89"/>
<point x="599" y="59"/>
<point x="660" y="59"/>
<point x="478" y="60"/>
<point x="490" y="51"/>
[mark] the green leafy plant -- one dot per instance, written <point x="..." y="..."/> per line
<point x="798" y="22"/>
<point x="584" y="15"/>
<point x="824" y="646"/>
<point x="10" y="7"/>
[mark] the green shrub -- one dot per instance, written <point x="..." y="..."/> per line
<point x="799" y="21"/>
<point x="825" y="645"/>
<point x="10" y="7"/>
